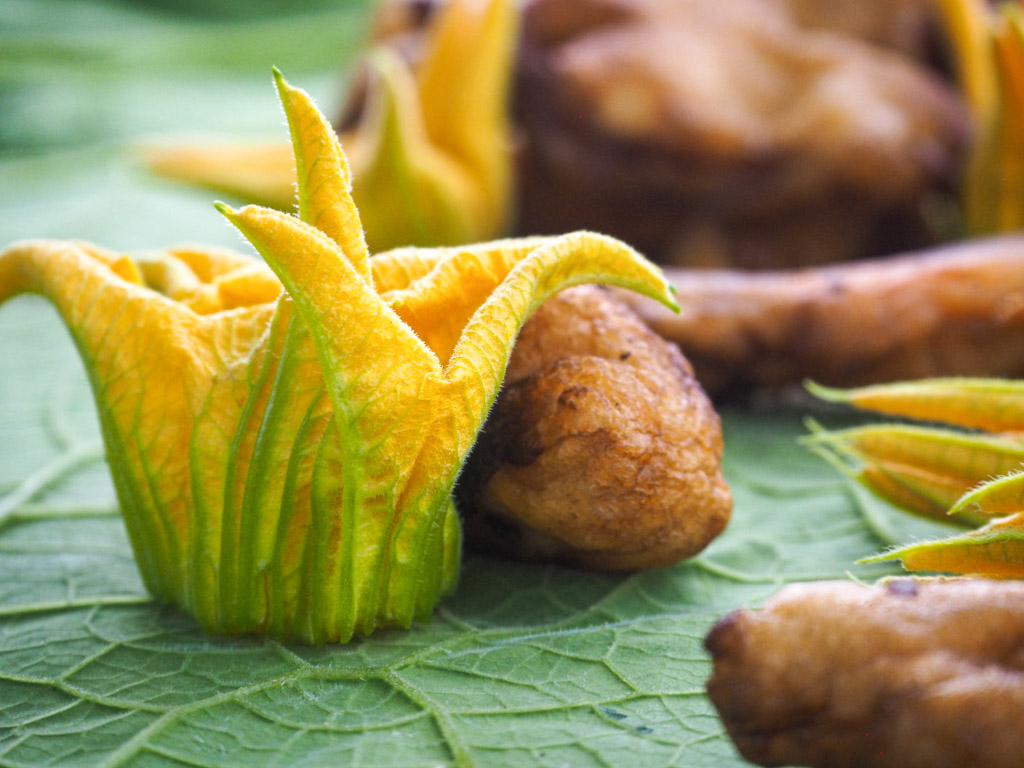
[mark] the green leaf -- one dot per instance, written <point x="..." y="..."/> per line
<point x="524" y="665"/>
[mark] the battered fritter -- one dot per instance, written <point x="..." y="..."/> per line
<point x="917" y="674"/>
<point x="952" y="311"/>
<point x="602" y="450"/>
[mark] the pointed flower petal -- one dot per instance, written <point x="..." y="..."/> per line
<point x="988" y="47"/>
<point x="975" y="476"/>
<point x="416" y="194"/>
<point x="325" y="186"/>
<point x="464" y="89"/>
<point x="256" y="173"/>
<point x="996" y="551"/>
<point x="996" y="405"/>
<point x="996" y="498"/>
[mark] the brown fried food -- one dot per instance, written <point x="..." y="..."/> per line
<point x="714" y="133"/>
<point x="903" y="25"/>
<point x="602" y="450"/>
<point x="913" y="675"/>
<point x="957" y="310"/>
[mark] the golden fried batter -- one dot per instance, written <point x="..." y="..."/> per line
<point x="602" y="449"/>
<point x="914" y="675"/>
<point x="719" y="133"/>
<point x="957" y="310"/>
<point x="903" y="25"/>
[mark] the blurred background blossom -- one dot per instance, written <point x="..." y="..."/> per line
<point x="82" y="80"/>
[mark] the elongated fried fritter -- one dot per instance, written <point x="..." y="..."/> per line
<point x="914" y="675"/>
<point x="602" y="450"/>
<point x="957" y="310"/>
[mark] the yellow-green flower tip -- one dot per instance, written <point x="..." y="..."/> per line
<point x="995" y="550"/>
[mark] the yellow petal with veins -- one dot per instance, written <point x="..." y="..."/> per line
<point x="152" y="364"/>
<point x="325" y="186"/>
<point x="463" y="88"/>
<point x="411" y="192"/>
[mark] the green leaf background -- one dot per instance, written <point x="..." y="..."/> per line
<point x="526" y="665"/>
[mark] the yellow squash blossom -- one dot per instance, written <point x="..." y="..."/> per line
<point x="431" y="154"/>
<point x="988" y="49"/>
<point x="284" y="440"/>
<point x="973" y="475"/>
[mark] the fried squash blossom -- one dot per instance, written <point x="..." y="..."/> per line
<point x="284" y="437"/>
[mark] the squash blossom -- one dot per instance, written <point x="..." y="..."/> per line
<point x="988" y="49"/>
<point x="284" y="440"/>
<point x="971" y="476"/>
<point x="431" y="154"/>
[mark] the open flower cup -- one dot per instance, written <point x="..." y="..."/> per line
<point x="284" y="437"/>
